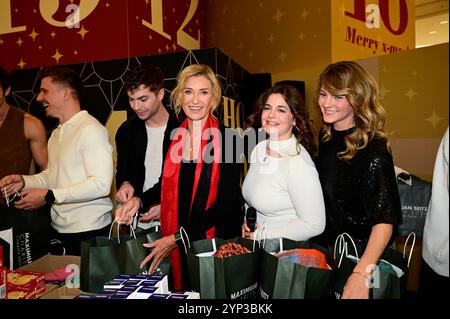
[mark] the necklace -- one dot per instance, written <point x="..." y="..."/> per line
<point x="271" y="152"/>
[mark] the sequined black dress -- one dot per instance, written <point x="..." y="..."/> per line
<point x="359" y="193"/>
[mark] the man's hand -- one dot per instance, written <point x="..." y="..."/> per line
<point x="153" y="213"/>
<point x="32" y="199"/>
<point x="125" y="213"/>
<point x="125" y="193"/>
<point x="11" y="184"/>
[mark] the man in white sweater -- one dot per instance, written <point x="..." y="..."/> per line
<point x="78" y="178"/>
<point x="434" y="278"/>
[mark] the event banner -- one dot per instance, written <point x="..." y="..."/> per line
<point x="50" y="32"/>
<point x="365" y="28"/>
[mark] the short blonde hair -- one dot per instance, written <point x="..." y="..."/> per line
<point x="195" y="70"/>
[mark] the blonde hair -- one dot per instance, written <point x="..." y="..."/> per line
<point x="349" y="79"/>
<point x="176" y="97"/>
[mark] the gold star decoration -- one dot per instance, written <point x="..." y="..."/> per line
<point x="301" y="36"/>
<point x="159" y="50"/>
<point x="53" y="34"/>
<point x="107" y="5"/>
<point x="19" y="42"/>
<point x="271" y="38"/>
<point x="57" y="56"/>
<point x="1" y="41"/>
<point x="150" y="37"/>
<point x="34" y="11"/>
<point x="75" y="52"/>
<point x="434" y="119"/>
<point x="305" y="14"/>
<point x="282" y="56"/>
<point x="33" y="35"/>
<point x="21" y="63"/>
<point x="278" y="15"/>
<point x="174" y="46"/>
<point x="83" y="32"/>
<point x="410" y="94"/>
<point x="250" y="55"/>
<point x="167" y="47"/>
<point x="383" y="91"/>
<point x="40" y="47"/>
<point x="147" y="2"/>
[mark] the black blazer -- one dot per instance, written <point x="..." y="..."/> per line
<point x="131" y="144"/>
<point x="227" y="213"/>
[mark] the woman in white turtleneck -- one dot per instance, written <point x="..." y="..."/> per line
<point x="282" y="183"/>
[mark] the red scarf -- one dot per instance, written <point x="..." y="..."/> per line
<point x="169" y="193"/>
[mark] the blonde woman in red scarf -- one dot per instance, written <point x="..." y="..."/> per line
<point x="199" y="191"/>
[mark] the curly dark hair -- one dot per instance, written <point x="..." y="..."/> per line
<point x="148" y="75"/>
<point x="294" y="100"/>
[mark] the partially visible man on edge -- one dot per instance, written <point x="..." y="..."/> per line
<point x="22" y="136"/>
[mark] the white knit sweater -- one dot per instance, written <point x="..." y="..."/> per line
<point x="285" y="191"/>
<point x="79" y="172"/>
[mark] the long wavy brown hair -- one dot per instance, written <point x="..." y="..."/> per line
<point x="349" y="79"/>
<point x="294" y="100"/>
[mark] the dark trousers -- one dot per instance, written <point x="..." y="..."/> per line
<point x="70" y="243"/>
<point x="431" y="284"/>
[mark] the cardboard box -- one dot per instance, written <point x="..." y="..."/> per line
<point x="63" y="292"/>
<point x="49" y="263"/>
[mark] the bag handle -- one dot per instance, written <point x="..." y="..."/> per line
<point x="132" y="233"/>
<point x="185" y="238"/>
<point x="413" y="234"/>
<point x="343" y="247"/>
<point x="260" y="235"/>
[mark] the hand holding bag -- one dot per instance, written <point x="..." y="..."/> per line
<point x="388" y="279"/>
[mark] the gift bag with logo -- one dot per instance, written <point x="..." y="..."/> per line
<point x="103" y="258"/>
<point x="30" y="230"/>
<point x="295" y="270"/>
<point x="415" y="196"/>
<point x="389" y="276"/>
<point x="220" y="269"/>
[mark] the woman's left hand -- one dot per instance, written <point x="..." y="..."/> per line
<point x="246" y="232"/>
<point x="161" y="249"/>
<point x="356" y="287"/>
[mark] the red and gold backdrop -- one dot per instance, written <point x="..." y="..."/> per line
<point x="48" y="32"/>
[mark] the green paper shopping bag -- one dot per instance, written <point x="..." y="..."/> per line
<point x="234" y="277"/>
<point x="103" y="258"/>
<point x="293" y="278"/>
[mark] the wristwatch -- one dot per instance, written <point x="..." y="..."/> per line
<point x="50" y="197"/>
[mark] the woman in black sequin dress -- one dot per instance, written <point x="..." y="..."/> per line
<point x="355" y="167"/>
